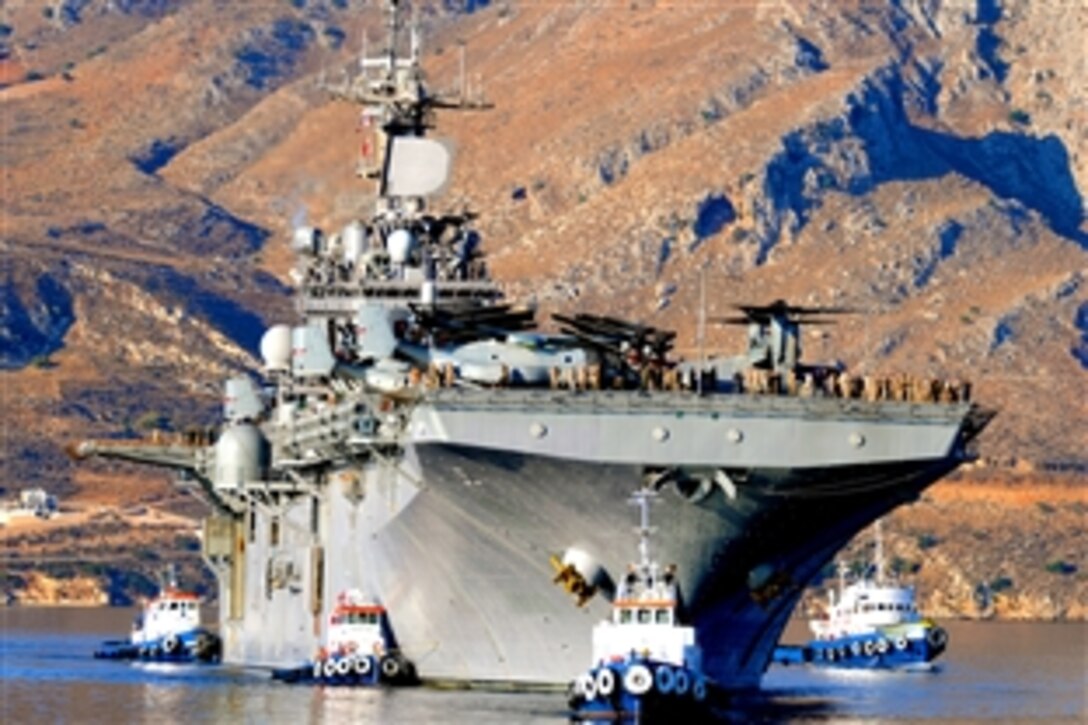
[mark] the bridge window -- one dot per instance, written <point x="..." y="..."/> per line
<point x="626" y="616"/>
<point x="644" y="616"/>
<point x="663" y="616"/>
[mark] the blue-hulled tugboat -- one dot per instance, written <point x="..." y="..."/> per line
<point x="357" y="650"/>
<point x="646" y="662"/>
<point x="168" y="629"/>
<point x="870" y="624"/>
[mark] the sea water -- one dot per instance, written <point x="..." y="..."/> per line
<point x="992" y="671"/>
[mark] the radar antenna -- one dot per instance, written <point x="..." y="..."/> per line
<point x="395" y="101"/>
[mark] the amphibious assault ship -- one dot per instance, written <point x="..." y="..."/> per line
<point x="417" y="439"/>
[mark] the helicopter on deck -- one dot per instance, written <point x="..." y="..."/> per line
<point x="774" y="332"/>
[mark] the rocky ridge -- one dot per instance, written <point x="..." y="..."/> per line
<point x="922" y="160"/>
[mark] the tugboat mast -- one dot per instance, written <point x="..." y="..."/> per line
<point x="643" y="498"/>
<point x="879" y="554"/>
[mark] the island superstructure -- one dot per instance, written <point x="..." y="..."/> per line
<point x="417" y="439"/>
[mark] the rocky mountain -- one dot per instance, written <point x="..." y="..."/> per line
<point x="922" y="161"/>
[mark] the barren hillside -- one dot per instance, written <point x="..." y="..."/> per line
<point x="923" y="161"/>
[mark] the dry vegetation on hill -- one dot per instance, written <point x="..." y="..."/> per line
<point x="925" y="161"/>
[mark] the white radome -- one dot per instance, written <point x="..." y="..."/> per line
<point x="400" y="245"/>
<point x="276" y="348"/>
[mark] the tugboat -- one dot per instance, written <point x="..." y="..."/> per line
<point x="870" y="625"/>
<point x="358" y="651"/>
<point x="646" y="661"/>
<point x="168" y="629"/>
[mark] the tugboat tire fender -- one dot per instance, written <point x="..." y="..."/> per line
<point x="362" y="665"/>
<point x="698" y="690"/>
<point x="870" y="648"/>
<point x="855" y="648"/>
<point x="318" y="669"/>
<point x="937" y="638"/>
<point x="390" y="667"/>
<point x="606" y="681"/>
<point x="901" y="643"/>
<point x="664" y="679"/>
<point x="576" y="688"/>
<point x="883" y="646"/>
<point x="170" y="644"/>
<point x="343" y="666"/>
<point x="329" y="669"/>
<point x="589" y="687"/>
<point x="681" y="682"/>
<point x="638" y="680"/>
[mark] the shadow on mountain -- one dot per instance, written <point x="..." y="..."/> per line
<point x="1079" y="350"/>
<point x="157" y="155"/>
<point x="33" y="323"/>
<point x="231" y="318"/>
<point x="1034" y="171"/>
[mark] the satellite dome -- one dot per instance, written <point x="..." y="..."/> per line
<point x="241" y="456"/>
<point x="305" y="240"/>
<point x="401" y="243"/>
<point x="276" y="348"/>
<point x="354" y="242"/>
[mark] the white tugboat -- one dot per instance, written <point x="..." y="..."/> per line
<point x="358" y="651"/>
<point x="870" y="624"/>
<point x="645" y="661"/>
<point x="168" y="629"/>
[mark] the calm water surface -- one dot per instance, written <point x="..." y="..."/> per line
<point x="992" y="672"/>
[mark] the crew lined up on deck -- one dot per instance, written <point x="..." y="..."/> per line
<point x="819" y="382"/>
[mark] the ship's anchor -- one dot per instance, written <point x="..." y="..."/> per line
<point x="572" y="580"/>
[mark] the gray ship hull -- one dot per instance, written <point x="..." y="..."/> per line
<point x="474" y="598"/>
<point x="454" y="540"/>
